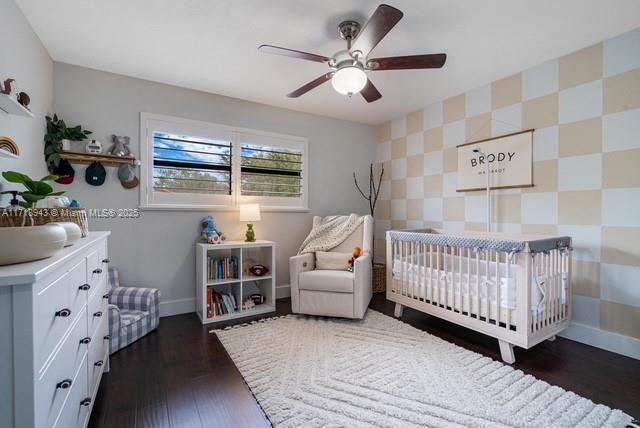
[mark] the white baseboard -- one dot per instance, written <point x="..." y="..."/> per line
<point x="185" y="306"/>
<point x="283" y="291"/>
<point x="178" y="306"/>
<point x="603" y="339"/>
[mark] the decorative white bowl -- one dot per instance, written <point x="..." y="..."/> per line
<point x="74" y="233"/>
<point x="25" y="244"/>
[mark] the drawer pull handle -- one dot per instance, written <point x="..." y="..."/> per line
<point x="105" y="296"/>
<point x="84" y="287"/>
<point x="64" y="384"/>
<point x="107" y="337"/>
<point x="63" y="313"/>
<point x="106" y="261"/>
<point x="98" y="363"/>
<point x="97" y="270"/>
<point x="86" y="402"/>
<point x="85" y="340"/>
<point x="97" y="314"/>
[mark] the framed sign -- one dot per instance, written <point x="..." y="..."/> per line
<point x="509" y="158"/>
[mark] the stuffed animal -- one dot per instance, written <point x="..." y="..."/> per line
<point x="210" y="234"/>
<point x="248" y="304"/>
<point x="357" y="252"/>
<point x="120" y="146"/>
<point x="7" y="87"/>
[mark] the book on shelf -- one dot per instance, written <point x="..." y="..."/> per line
<point x="219" y="304"/>
<point x="222" y="268"/>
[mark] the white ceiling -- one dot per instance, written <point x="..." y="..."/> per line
<point x="211" y="45"/>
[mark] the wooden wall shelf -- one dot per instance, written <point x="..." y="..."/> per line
<point x="107" y="160"/>
<point x="11" y="106"/>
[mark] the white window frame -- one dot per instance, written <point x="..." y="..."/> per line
<point x="150" y="200"/>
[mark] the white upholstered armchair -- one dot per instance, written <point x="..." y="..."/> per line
<point x="338" y="293"/>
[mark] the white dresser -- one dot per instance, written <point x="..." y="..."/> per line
<point x="54" y="343"/>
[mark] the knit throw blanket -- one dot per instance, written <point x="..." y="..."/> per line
<point x="331" y="232"/>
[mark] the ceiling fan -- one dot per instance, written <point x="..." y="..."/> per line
<point x="348" y="67"/>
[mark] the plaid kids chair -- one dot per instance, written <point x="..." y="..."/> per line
<point x="133" y="312"/>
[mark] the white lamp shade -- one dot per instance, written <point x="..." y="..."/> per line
<point x="349" y="80"/>
<point x="250" y="212"/>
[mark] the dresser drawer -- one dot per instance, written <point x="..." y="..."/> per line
<point x="98" y="308"/>
<point x="97" y="268"/>
<point x="103" y="256"/>
<point x="78" y="404"/>
<point x="55" y="383"/>
<point x="98" y="354"/>
<point x="56" y="307"/>
<point x="79" y="289"/>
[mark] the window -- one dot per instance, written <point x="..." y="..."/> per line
<point x="194" y="165"/>
<point x="183" y="164"/>
<point x="270" y="171"/>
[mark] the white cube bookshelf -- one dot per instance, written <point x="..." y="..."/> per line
<point x="242" y="286"/>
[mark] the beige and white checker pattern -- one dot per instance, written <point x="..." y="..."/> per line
<point x="585" y="109"/>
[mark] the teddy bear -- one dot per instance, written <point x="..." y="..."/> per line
<point x="120" y="146"/>
<point x="209" y="232"/>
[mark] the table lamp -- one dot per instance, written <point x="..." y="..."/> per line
<point x="250" y="213"/>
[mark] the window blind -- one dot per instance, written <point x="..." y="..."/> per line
<point x="183" y="164"/>
<point x="270" y="171"/>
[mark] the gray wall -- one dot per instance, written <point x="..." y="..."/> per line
<point x="23" y="58"/>
<point x="157" y="250"/>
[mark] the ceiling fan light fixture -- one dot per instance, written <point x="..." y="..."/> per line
<point x="349" y="80"/>
<point x="348" y="68"/>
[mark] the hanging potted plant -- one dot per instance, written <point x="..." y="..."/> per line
<point x="58" y="138"/>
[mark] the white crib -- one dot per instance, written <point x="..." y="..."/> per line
<point x="455" y="275"/>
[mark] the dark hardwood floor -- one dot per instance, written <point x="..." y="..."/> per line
<point x="181" y="376"/>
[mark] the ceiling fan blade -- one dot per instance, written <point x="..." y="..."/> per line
<point x="309" y="86"/>
<point x="370" y="92"/>
<point x="381" y="22"/>
<point x="275" y="50"/>
<point x="408" y="62"/>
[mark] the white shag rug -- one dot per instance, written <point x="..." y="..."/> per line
<point x="380" y="372"/>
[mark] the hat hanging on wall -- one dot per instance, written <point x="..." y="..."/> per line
<point x="95" y="174"/>
<point x="65" y="172"/>
<point x="127" y="176"/>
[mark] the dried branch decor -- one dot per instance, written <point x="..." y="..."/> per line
<point x="374" y="188"/>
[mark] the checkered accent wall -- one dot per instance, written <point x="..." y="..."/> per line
<point x="585" y="109"/>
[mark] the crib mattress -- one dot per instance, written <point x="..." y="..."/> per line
<point x="463" y="277"/>
<point x="461" y="303"/>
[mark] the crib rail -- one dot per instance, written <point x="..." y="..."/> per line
<point x="488" y="289"/>
<point x="554" y="268"/>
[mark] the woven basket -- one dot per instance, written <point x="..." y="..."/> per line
<point x="42" y="216"/>
<point x="379" y="277"/>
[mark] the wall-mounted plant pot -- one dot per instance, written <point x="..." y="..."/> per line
<point x="25" y="244"/>
<point x="66" y="144"/>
